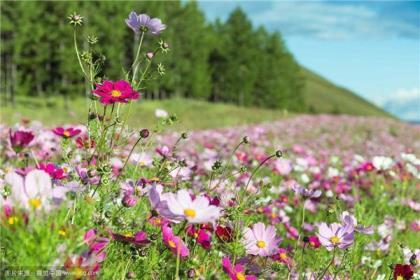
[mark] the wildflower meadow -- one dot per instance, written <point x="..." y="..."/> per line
<point x="307" y="197"/>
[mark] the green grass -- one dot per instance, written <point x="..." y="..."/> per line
<point x="325" y="97"/>
<point x="192" y="114"/>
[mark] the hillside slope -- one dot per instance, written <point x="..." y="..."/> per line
<point x="322" y="96"/>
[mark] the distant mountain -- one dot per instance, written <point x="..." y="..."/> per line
<point x="323" y="96"/>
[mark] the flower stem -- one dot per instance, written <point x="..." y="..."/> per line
<point x="131" y="151"/>
<point x="328" y="266"/>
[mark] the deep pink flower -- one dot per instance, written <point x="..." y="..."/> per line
<point x="20" y="139"/>
<point x="66" y="132"/>
<point x="236" y="272"/>
<point x="54" y="171"/>
<point x="282" y="256"/>
<point x="138" y="239"/>
<point x="111" y="92"/>
<point x="95" y="242"/>
<point x="202" y="236"/>
<point x="174" y="243"/>
<point x="313" y="241"/>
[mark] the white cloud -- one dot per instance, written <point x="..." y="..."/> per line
<point x="404" y="103"/>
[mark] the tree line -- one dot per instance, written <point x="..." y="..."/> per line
<point x="229" y="61"/>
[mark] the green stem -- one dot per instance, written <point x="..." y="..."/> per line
<point x="136" y="63"/>
<point x="328" y="266"/>
<point x="131" y="151"/>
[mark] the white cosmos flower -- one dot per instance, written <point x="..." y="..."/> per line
<point x="197" y="211"/>
<point x="32" y="191"/>
<point x="160" y="113"/>
<point x="382" y="163"/>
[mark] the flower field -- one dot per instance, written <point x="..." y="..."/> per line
<point x="341" y="195"/>
<point x="308" y="197"/>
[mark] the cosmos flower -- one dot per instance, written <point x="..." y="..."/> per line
<point x="20" y="139"/>
<point x="110" y="92"/>
<point x="403" y="272"/>
<point x="282" y="256"/>
<point x="33" y="191"/>
<point x="174" y="243"/>
<point x="351" y="221"/>
<point x="160" y="113"/>
<point x="66" y="132"/>
<point x="201" y="235"/>
<point x="236" y="272"/>
<point x="138" y="239"/>
<point x="195" y="211"/>
<point x="54" y="171"/>
<point x="143" y="23"/>
<point x="335" y="235"/>
<point x="260" y="240"/>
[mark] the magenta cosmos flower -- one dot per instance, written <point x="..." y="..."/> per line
<point x="335" y="235"/>
<point x="143" y="23"/>
<point x="20" y="139"/>
<point x="66" y="132"/>
<point x="195" y="211"/>
<point x="236" y="272"/>
<point x="260" y="240"/>
<point x="111" y="92"/>
<point x="174" y="243"/>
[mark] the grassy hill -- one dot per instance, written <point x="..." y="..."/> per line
<point x="192" y="114"/>
<point x="322" y="96"/>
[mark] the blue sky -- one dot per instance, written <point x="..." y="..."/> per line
<point x="372" y="48"/>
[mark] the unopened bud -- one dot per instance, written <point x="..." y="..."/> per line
<point x="144" y="133"/>
<point x="150" y="55"/>
<point x="184" y="135"/>
<point x="245" y="139"/>
<point x="279" y="153"/>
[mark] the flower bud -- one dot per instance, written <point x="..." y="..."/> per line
<point x="150" y="55"/>
<point x="92" y="39"/>
<point x="279" y="153"/>
<point x="191" y="273"/>
<point x="184" y="135"/>
<point x="144" y="133"/>
<point x="75" y="19"/>
<point x="129" y="200"/>
<point x="245" y="139"/>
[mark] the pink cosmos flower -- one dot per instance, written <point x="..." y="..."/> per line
<point x="201" y="235"/>
<point x="95" y="242"/>
<point x="236" y="272"/>
<point x="174" y="243"/>
<point x="66" y="132"/>
<point x="20" y="139"/>
<point x="351" y="221"/>
<point x="195" y="211"/>
<point x="111" y="92"/>
<point x="138" y="239"/>
<point x="335" y="235"/>
<point x="260" y="240"/>
<point x="54" y="171"/>
<point x="282" y="256"/>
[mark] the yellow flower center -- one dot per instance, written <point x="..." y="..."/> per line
<point x="66" y="133"/>
<point x="116" y="93"/>
<point x="78" y="272"/>
<point x="171" y="244"/>
<point x="35" y="202"/>
<point x="283" y="256"/>
<point x="399" y="277"/>
<point x="62" y="232"/>
<point x="190" y="213"/>
<point x="260" y="244"/>
<point x="334" y="240"/>
<point x="12" y="220"/>
<point x="142" y="163"/>
<point x="240" y="276"/>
